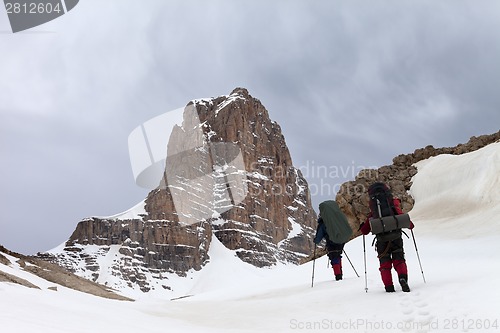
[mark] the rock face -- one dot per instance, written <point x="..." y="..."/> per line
<point x="47" y="271"/>
<point x="353" y="198"/>
<point x="228" y="174"/>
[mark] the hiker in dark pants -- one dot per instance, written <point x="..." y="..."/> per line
<point x="334" y="249"/>
<point x="389" y="244"/>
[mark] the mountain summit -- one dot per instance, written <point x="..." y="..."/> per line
<point x="228" y="174"/>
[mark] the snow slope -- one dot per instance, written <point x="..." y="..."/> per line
<point x="457" y="230"/>
<point x="459" y="195"/>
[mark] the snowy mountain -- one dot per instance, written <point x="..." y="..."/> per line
<point x="228" y="176"/>
<point x="456" y="213"/>
<point x="38" y="274"/>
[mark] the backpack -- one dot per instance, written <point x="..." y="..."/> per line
<point x="381" y="200"/>
<point x="338" y="229"/>
<point x="385" y="223"/>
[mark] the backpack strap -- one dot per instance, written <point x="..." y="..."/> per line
<point x="397" y="221"/>
<point x="383" y="254"/>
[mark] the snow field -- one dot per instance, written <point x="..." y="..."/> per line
<point x="457" y="228"/>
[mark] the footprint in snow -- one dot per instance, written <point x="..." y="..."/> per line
<point x="415" y="312"/>
<point x="407" y="311"/>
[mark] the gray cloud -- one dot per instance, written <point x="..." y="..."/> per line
<point x="352" y="84"/>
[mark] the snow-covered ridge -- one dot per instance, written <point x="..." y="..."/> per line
<point x="34" y="273"/>
<point x="463" y="191"/>
<point x="228" y="99"/>
<point x="136" y="212"/>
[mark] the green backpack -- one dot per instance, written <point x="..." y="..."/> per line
<point x="336" y="224"/>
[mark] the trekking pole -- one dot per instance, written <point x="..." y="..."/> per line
<point x="351" y="263"/>
<point x="314" y="263"/>
<point x="364" y="255"/>
<point x="419" y="262"/>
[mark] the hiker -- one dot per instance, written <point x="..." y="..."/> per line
<point x="334" y="249"/>
<point x="389" y="244"/>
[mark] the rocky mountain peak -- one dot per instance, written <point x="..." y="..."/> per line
<point x="228" y="174"/>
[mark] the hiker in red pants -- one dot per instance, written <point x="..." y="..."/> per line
<point x="334" y="249"/>
<point x="389" y="244"/>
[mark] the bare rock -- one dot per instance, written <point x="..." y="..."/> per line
<point x="269" y="220"/>
<point x="353" y="198"/>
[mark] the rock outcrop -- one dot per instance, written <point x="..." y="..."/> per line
<point x="228" y="174"/>
<point x="353" y="198"/>
<point x="53" y="273"/>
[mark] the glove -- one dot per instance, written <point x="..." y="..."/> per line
<point x="361" y="226"/>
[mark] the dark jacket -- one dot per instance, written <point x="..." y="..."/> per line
<point x="320" y="232"/>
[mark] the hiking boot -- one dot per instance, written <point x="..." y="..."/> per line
<point x="390" y="289"/>
<point x="338" y="277"/>
<point x="403" y="281"/>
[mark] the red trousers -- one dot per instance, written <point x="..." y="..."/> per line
<point x="385" y="270"/>
<point x="337" y="268"/>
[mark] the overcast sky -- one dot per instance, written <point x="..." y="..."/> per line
<point x="352" y="84"/>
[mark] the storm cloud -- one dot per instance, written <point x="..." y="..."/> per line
<point x="352" y="84"/>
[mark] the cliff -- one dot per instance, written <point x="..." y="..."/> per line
<point x="228" y="174"/>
